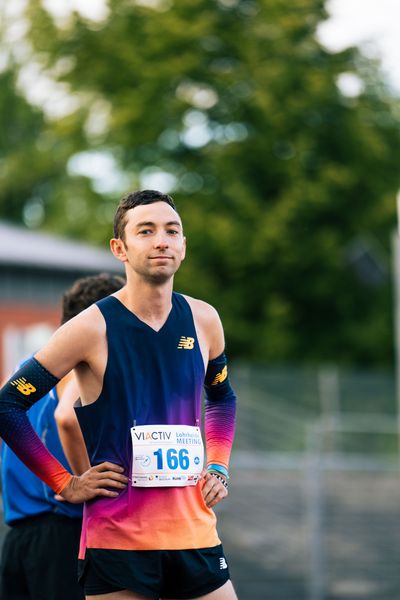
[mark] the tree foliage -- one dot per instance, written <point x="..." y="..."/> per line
<point x="286" y="184"/>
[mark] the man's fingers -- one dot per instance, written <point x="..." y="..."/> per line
<point x="210" y="498"/>
<point x="215" y="500"/>
<point x="210" y="494"/>
<point x="108" y="493"/>
<point x="108" y="466"/>
<point x="95" y="482"/>
<point x="112" y="475"/>
<point x="111" y="483"/>
<point x="213" y="492"/>
<point x="220" y="496"/>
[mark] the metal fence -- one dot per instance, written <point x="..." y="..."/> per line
<point x="314" y="505"/>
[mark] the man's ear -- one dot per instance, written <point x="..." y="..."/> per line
<point x="184" y="249"/>
<point x="118" y="249"/>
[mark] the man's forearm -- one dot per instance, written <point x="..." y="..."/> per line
<point x="30" y="383"/>
<point x="69" y="431"/>
<point x="220" y="415"/>
<point x="74" y="447"/>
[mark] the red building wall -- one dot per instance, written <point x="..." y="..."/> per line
<point x="22" y="316"/>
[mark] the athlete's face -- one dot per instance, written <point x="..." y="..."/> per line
<point x="154" y="245"/>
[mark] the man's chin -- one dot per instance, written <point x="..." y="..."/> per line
<point x="159" y="278"/>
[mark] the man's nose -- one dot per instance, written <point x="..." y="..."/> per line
<point x="161" y="240"/>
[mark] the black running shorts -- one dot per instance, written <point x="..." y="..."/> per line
<point x="178" y="574"/>
<point x="39" y="559"/>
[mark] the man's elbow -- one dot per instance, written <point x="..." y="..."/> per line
<point x="65" y="422"/>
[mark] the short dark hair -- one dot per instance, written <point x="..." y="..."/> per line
<point x="88" y="290"/>
<point x="133" y="199"/>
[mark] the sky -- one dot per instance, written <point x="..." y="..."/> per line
<point x="374" y="25"/>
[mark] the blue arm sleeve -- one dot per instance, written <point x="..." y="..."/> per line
<point x="30" y="383"/>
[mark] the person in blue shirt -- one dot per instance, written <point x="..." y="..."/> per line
<point x="39" y="557"/>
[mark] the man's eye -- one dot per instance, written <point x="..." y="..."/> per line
<point x="145" y="231"/>
<point x="172" y="231"/>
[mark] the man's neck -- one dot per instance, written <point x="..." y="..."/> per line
<point x="150" y="303"/>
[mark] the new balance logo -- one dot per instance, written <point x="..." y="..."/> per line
<point x="23" y="386"/>
<point x="186" y="343"/>
<point x="222" y="563"/>
<point x="220" y="377"/>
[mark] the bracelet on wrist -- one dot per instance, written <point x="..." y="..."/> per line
<point x="220" y="478"/>
<point x="215" y="468"/>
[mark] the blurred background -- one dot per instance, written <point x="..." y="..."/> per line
<point x="276" y="127"/>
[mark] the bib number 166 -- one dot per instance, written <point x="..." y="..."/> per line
<point x="174" y="459"/>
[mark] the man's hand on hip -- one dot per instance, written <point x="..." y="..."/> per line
<point x="95" y="482"/>
<point x="213" y="490"/>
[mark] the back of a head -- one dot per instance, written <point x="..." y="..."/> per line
<point x="88" y="290"/>
<point x="134" y="199"/>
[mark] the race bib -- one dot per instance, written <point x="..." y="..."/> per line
<point x="166" y="455"/>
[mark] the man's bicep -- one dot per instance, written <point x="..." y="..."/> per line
<point x="216" y="335"/>
<point x="66" y="348"/>
<point x="209" y="328"/>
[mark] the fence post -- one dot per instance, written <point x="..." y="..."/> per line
<point x="396" y="315"/>
<point x="314" y="506"/>
<point x="329" y="391"/>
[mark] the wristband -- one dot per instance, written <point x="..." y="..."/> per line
<point x="220" y="478"/>
<point x="218" y="469"/>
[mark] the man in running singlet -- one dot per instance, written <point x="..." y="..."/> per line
<point x="142" y="357"/>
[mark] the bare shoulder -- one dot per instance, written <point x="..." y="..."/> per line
<point x="203" y="311"/>
<point x="89" y="320"/>
<point x="72" y="343"/>
<point x="208" y="321"/>
<point x="85" y="326"/>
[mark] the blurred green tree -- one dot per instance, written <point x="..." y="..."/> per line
<point x="281" y="155"/>
<point x="25" y="172"/>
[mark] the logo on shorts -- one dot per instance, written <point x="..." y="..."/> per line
<point x="222" y="563"/>
<point x="220" y="377"/>
<point x="23" y="386"/>
<point x="187" y="343"/>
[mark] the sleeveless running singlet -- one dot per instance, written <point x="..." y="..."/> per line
<point x="151" y="378"/>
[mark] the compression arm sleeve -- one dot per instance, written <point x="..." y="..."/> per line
<point x="220" y="414"/>
<point x="30" y="383"/>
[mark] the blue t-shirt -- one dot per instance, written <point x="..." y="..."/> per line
<point x="24" y="494"/>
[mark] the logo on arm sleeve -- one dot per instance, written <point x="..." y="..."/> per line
<point x="23" y="386"/>
<point x="220" y="377"/>
<point x="186" y="343"/>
